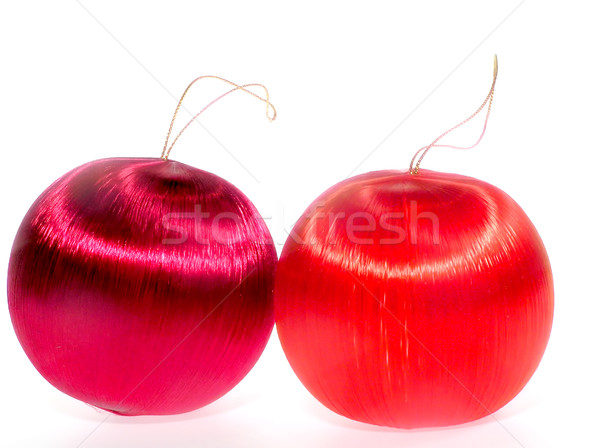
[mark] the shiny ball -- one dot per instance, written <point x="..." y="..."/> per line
<point x="142" y="286"/>
<point x="414" y="300"/>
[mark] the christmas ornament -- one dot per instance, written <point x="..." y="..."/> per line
<point x="414" y="298"/>
<point x="141" y="285"/>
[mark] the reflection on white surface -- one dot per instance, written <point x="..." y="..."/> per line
<point x="270" y="407"/>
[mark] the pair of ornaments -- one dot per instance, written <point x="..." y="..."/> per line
<point x="402" y="298"/>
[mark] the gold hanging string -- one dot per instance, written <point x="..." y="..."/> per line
<point x="414" y="168"/>
<point x="271" y="111"/>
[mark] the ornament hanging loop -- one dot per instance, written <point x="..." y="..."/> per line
<point x="271" y="111"/>
<point x="415" y="163"/>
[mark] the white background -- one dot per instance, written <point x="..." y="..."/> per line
<point x="82" y="81"/>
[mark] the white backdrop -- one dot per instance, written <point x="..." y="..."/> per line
<point x="359" y="86"/>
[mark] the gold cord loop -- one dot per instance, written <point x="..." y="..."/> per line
<point x="414" y="168"/>
<point x="271" y="111"/>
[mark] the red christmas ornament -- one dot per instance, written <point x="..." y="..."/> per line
<point x="414" y="298"/>
<point x="142" y="286"/>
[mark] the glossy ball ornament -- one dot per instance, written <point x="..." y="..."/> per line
<point x="414" y="300"/>
<point x="142" y="286"/>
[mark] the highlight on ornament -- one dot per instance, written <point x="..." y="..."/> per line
<point x="122" y="298"/>
<point x="414" y="298"/>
